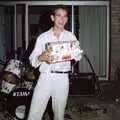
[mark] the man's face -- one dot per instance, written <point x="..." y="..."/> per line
<point x="60" y="18"/>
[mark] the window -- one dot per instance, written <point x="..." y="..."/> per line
<point x="89" y="20"/>
<point x="6" y="33"/>
<point x="91" y="30"/>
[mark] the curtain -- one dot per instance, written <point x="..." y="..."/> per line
<point x="6" y="33"/>
<point x="2" y="36"/>
<point x="93" y="38"/>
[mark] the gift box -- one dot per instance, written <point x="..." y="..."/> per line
<point x="64" y="50"/>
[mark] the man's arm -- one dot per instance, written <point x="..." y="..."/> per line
<point x="38" y="48"/>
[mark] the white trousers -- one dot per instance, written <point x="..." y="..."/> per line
<point x="54" y="85"/>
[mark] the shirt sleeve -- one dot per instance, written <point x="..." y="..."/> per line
<point x="36" y="52"/>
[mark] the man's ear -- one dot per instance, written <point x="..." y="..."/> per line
<point x="52" y="17"/>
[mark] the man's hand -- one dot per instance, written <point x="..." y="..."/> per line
<point x="46" y="57"/>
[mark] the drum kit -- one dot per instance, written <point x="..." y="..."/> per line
<point x="16" y="75"/>
<point x="17" y="83"/>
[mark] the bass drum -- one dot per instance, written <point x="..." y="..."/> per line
<point x="18" y="103"/>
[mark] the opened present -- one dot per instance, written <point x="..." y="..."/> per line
<point x="64" y="50"/>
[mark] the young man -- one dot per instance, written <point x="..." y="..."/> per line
<point x="53" y="80"/>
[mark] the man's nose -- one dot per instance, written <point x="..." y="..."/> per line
<point x="61" y="19"/>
